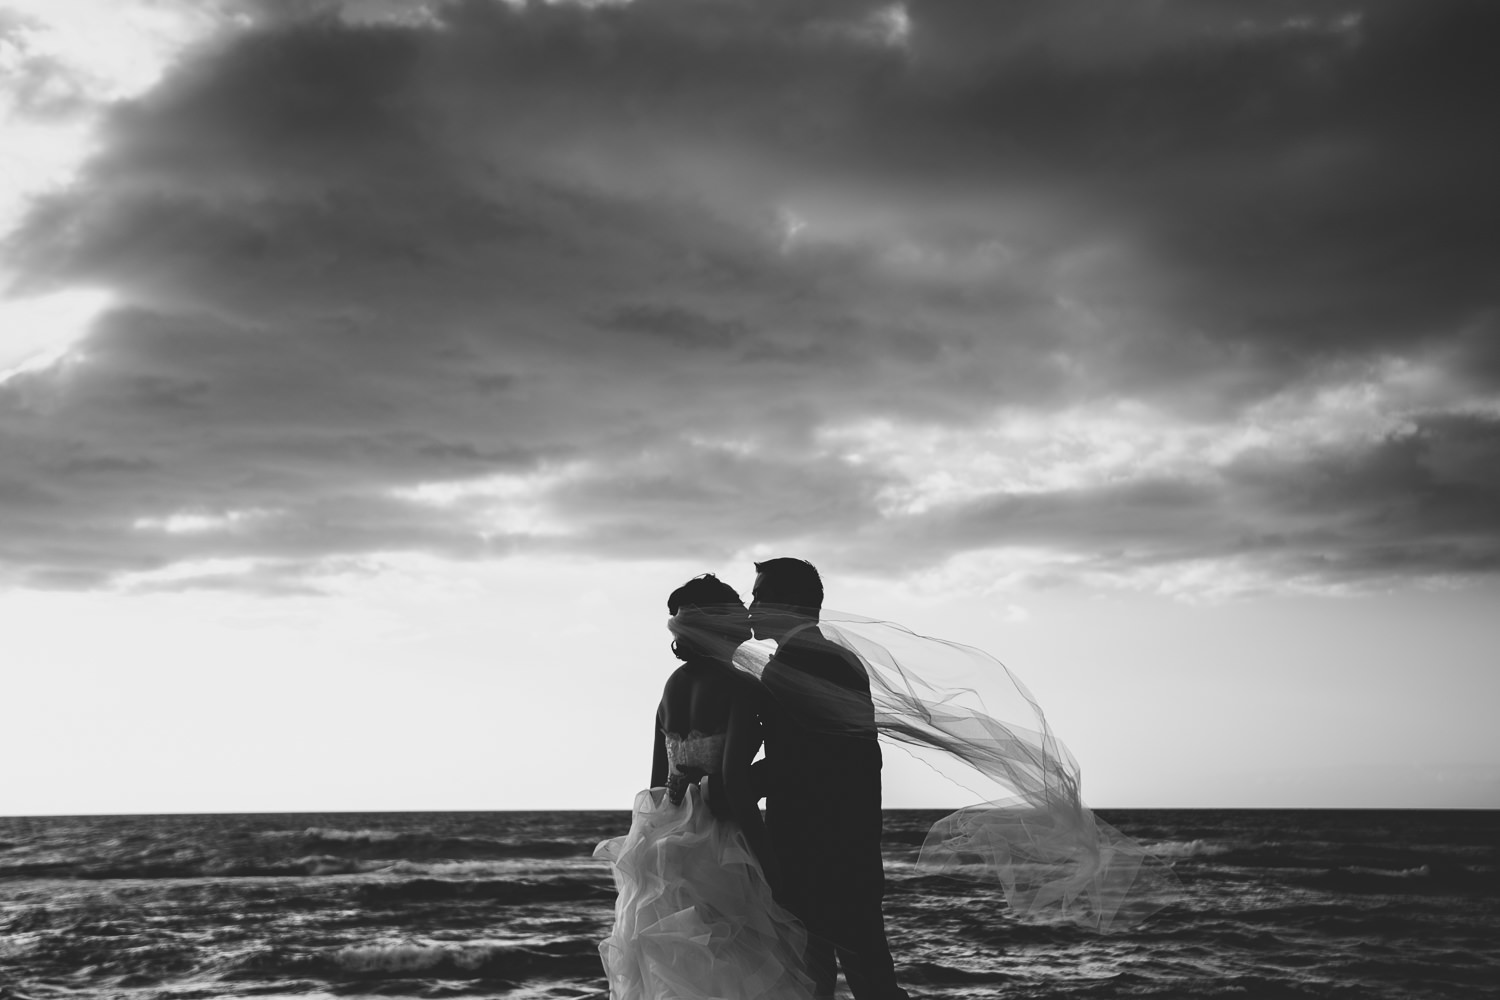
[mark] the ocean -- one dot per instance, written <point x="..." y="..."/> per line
<point x="1278" y="903"/>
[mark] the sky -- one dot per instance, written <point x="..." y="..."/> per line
<point x="370" y="372"/>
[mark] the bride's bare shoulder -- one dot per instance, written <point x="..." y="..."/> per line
<point x="701" y="676"/>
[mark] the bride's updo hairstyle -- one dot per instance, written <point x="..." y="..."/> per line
<point x="693" y="607"/>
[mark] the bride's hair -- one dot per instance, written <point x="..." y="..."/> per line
<point x="793" y="582"/>
<point x="706" y="591"/>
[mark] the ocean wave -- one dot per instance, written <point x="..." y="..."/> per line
<point x="511" y="961"/>
<point x="312" y="864"/>
<point x="943" y="974"/>
<point x="356" y="836"/>
<point x="408" y="956"/>
<point x="1436" y="878"/>
<point x="510" y="891"/>
<point x="327" y="864"/>
<point x="37" y="869"/>
<point x="15" y="946"/>
<point x="394" y="846"/>
<point x="1421" y="871"/>
<point x="1186" y="849"/>
<point x="198" y="869"/>
<point x="899" y="882"/>
<point x="499" y="868"/>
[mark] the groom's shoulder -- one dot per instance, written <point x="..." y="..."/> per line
<point x="812" y="651"/>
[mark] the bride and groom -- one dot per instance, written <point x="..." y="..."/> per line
<point x="714" y="901"/>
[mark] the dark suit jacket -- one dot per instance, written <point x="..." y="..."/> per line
<point x="822" y="776"/>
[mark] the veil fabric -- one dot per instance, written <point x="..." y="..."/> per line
<point x="1047" y="850"/>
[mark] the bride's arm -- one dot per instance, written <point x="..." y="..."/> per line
<point x="658" y="750"/>
<point x="740" y="744"/>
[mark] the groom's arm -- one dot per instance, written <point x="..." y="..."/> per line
<point x="739" y="747"/>
<point x="760" y="778"/>
<point x="760" y="771"/>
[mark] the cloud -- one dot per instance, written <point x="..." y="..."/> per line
<point x="1206" y="285"/>
<point x="1415" y="503"/>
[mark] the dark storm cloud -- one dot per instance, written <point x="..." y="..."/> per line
<point x="676" y="325"/>
<point x="650" y="252"/>
<point x="1421" y="502"/>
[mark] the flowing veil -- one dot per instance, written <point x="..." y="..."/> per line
<point x="1050" y="854"/>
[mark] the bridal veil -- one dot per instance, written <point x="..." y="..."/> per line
<point x="1047" y="850"/>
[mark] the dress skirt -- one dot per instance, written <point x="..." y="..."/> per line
<point x="694" y="916"/>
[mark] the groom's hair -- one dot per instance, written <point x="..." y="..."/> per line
<point x="704" y="591"/>
<point x="794" y="582"/>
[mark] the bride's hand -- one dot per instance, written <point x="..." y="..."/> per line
<point x="678" y="782"/>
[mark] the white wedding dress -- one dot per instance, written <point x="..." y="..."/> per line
<point x="694" y="918"/>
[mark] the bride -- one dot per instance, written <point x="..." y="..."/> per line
<point x="694" y="916"/>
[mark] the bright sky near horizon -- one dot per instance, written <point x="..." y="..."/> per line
<point x="370" y="371"/>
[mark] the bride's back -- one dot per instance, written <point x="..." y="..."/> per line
<point x="699" y="696"/>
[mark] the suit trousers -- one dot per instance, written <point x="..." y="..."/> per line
<point x="854" y="940"/>
<point x="834" y="881"/>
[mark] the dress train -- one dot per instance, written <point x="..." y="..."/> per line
<point x="694" y="916"/>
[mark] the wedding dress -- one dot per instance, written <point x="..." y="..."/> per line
<point x="694" y="916"/>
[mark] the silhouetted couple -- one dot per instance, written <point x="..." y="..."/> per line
<point x="713" y="901"/>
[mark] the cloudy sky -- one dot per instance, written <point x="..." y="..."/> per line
<point x="370" y="372"/>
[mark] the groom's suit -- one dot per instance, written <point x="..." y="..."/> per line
<point x="822" y="786"/>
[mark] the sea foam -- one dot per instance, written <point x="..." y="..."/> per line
<point x="1185" y="849"/>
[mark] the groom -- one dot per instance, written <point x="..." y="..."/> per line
<point x="821" y="780"/>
